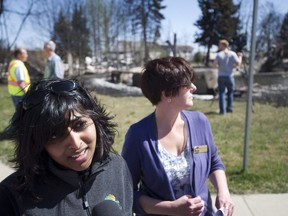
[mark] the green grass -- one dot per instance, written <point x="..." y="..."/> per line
<point x="268" y="144"/>
<point x="6" y="111"/>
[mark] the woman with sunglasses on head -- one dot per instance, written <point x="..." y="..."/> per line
<point x="65" y="163"/>
<point x="171" y="152"/>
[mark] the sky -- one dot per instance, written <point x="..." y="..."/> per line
<point x="180" y="16"/>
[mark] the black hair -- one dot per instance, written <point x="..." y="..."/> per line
<point x="31" y="128"/>
<point x="166" y="75"/>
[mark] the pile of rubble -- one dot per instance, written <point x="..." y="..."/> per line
<point x="275" y="94"/>
<point x="104" y="87"/>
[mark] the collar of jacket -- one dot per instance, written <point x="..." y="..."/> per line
<point x="74" y="178"/>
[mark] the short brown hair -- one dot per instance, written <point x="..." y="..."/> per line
<point x="166" y="75"/>
<point x="224" y="42"/>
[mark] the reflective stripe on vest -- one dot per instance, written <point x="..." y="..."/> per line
<point x="13" y="87"/>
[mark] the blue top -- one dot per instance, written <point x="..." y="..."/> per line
<point x="20" y="74"/>
<point x="226" y="62"/>
<point x="149" y="177"/>
<point x="54" y="68"/>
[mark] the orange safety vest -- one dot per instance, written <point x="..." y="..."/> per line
<point x="13" y="87"/>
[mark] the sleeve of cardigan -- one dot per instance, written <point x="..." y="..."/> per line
<point x="130" y="154"/>
<point x="216" y="162"/>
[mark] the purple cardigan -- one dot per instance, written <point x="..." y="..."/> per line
<point x="149" y="177"/>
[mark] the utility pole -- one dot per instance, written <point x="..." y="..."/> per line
<point x="173" y="47"/>
<point x="250" y="87"/>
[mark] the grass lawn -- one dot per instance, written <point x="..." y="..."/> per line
<point x="268" y="145"/>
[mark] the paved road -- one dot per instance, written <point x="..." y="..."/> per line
<point x="245" y="205"/>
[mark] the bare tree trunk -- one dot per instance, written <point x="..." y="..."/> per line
<point x="207" y="55"/>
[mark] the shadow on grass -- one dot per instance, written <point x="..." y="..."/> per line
<point x="244" y="176"/>
<point x="211" y="113"/>
<point x="236" y="173"/>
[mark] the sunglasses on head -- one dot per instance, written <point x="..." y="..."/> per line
<point x="36" y="97"/>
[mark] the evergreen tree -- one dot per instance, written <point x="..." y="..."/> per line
<point x="284" y="35"/>
<point x="70" y="34"/>
<point x="145" y="15"/>
<point x="219" y="20"/>
<point x="61" y="35"/>
<point x="1" y="6"/>
<point x="79" y="41"/>
<point x="284" y="28"/>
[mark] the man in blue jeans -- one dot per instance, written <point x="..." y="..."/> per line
<point x="226" y="60"/>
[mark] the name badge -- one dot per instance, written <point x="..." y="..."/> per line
<point x="200" y="149"/>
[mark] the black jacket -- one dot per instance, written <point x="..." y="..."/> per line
<point x="67" y="192"/>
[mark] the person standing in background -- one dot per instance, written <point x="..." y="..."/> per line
<point x="54" y="68"/>
<point x="18" y="76"/>
<point x="226" y="60"/>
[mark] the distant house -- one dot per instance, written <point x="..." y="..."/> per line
<point x="185" y="52"/>
<point x="132" y="52"/>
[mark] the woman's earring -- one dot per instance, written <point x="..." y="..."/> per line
<point x="169" y="100"/>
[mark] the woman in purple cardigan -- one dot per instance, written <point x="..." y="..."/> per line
<point x="171" y="152"/>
